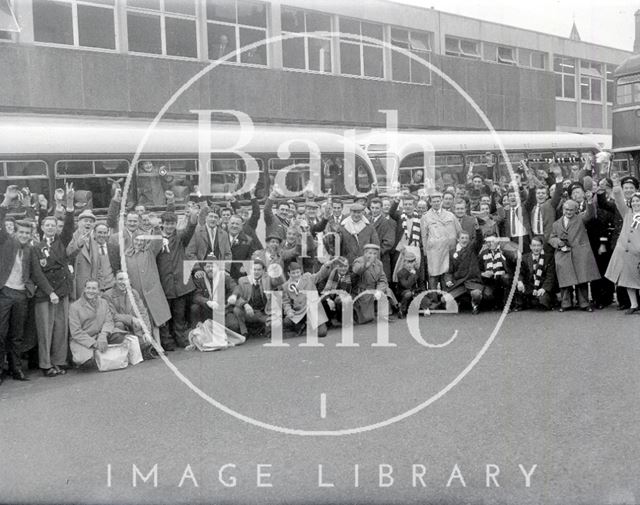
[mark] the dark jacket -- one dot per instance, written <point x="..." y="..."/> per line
<point x="274" y="225"/>
<point x="548" y="280"/>
<point x="54" y="261"/>
<point x="31" y="271"/>
<point x="241" y="250"/>
<point x="171" y="263"/>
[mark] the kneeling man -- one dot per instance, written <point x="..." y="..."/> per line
<point x="91" y="325"/>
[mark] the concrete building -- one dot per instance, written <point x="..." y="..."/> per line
<point x="127" y="58"/>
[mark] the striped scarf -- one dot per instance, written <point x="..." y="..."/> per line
<point x="335" y="282"/>
<point x="538" y="269"/>
<point x="412" y="235"/>
<point x="636" y="221"/>
<point x="494" y="261"/>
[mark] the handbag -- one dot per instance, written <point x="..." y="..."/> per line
<point x="134" y="354"/>
<point x="207" y="337"/>
<point x="115" y="357"/>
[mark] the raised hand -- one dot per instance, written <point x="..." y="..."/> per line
<point x="70" y="194"/>
<point x="59" y="195"/>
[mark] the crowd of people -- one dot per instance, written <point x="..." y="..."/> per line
<point x="66" y="294"/>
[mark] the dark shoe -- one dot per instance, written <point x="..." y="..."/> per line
<point x="631" y="310"/>
<point x="59" y="370"/>
<point x="623" y="307"/>
<point x="168" y="346"/>
<point x="587" y="309"/>
<point x="561" y="309"/>
<point x="50" y="372"/>
<point x="475" y="310"/>
<point x="19" y="375"/>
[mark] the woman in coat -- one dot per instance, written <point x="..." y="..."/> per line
<point x="624" y="267"/>
<point x="145" y="278"/>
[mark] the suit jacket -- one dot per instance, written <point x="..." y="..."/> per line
<point x="55" y="262"/>
<point x="548" y="209"/>
<point x="171" y="263"/>
<point x="84" y="255"/>
<point x="200" y="244"/>
<point x="122" y="309"/>
<point x="87" y="325"/>
<point x="506" y="230"/>
<point x="243" y="290"/>
<point x="242" y="247"/>
<point x="548" y="280"/>
<point x="31" y="271"/>
<point x="274" y="225"/>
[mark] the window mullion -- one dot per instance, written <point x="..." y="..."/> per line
<point x="74" y="18"/>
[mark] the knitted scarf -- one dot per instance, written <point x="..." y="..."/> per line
<point x="494" y="261"/>
<point x="636" y="221"/>
<point x="411" y="235"/>
<point x="333" y="281"/>
<point x="538" y="270"/>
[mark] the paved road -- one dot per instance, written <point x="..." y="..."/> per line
<point x="559" y="391"/>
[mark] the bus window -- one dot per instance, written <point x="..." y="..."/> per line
<point x="382" y="164"/>
<point x="570" y="163"/>
<point x="483" y="164"/>
<point x="229" y="175"/>
<point x="297" y="177"/>
<point x="30" y="174"/>
<point x="540" y="161"/>
<point x="503" y="169"/>
<point x="155" y="177"/>
<point x="449" y="170"/>
<point x="620" y="165"/>
<point x="92" y="176"/>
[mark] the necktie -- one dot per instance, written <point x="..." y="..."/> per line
<point x="103" y="250"/>
<point x="539" y="230"/>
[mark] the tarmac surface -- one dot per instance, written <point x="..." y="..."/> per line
<point x="554" y="397"/>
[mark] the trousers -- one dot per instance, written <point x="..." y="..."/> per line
<point x="13" y="315"/>
<point x="52" y="325"/>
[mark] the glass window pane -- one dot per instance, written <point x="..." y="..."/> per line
<point x="293" y="53"/>
<point x="420" y="73"/>
<point x="317" y="22"/>
<point x="569" y="86"/>
<point x="144" y="33"/>
<point x="596" y="90"/>
<point x="400" y="37"/>
<point x="26" y="168"/>
<point x="372" y="61"/>
<point x="371" y="30"/>
<point x="52" y="22"/>
<point x="538" y="60"/>
<point x="96" y="27"/>
<point x="349" y="26"/>
<point x="253" y="14"/>
<point x="257" y="55"/>
<point x="112" y="167"/>
<point x="490" y="52"/>
<point x="144" y="4"/>
<point x="452" y="45"/>
<point x="319" y="55"/>
<point x="5" y="35"/>
<point x="584" y="88"/>
<point x="400" y="65"/>
<point x="558" y="85"/>
<point x="610" y="93"/>
<point x="181" y="37"/>
<point x="469" y="47"/>
<point x="180" y="7"/>
<point x="350" y="58"/>
<point x="524" y="57"/>
<point x="505" y="55"/>
<point x="420" y="41"/>
<point x="74" y="168"/>
<point x="636" y="92"/>
<point x="292" y="20"/>
<point x="222" y="40"/>
<point x="221" y="10"/>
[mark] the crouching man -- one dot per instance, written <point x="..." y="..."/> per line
<point x="463" y="278"/>
<point x="125" y="318"/>
<point x="369" y="275"/>
<point x="300" y="293"/>
<point x="251" y="305"/>
<point x="537" y="281"/>
<point x="212" y="297"/>
<point x="91" y="325"/>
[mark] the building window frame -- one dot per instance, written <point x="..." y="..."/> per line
<point x="460" y="51"/>
<point x="76" y="28"/>
<point x="412" y="45"/>
<point x="237" y="27"/>
<point x="163" y="14"/>
<point x="590" y="75"/>
<point x="610" y="84"/>
<point x="362" y="46"/>
<point x="562" y="66"/>
<point x="307" y="40"/>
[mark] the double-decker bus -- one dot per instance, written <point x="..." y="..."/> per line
<point x="626" y="118"/>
